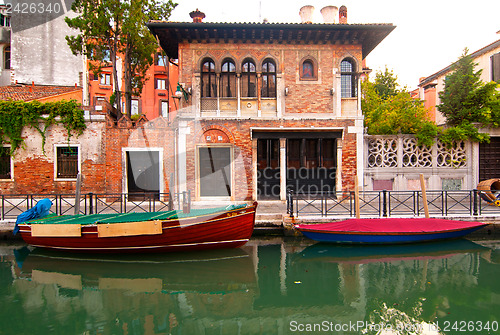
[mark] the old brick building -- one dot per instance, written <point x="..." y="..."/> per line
<point x="263" y="107"/>
<point x="269" y="106"/>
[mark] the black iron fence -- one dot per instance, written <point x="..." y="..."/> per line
<point x="392" y="203"/>
<point x="95" y="203"/>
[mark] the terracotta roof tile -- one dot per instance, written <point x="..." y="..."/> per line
<point x="28" y="92"/>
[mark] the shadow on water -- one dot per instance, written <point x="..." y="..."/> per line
<point x="271" y="286"/>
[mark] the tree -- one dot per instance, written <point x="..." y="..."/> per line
<point x="390" y="110"/>
<point x="386" y="83"/>
<point x="113" y="29"/>
<point x="466" y="100"/>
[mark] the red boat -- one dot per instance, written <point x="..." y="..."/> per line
<point x="214" y="228"/>
<point x="388" y="230"/>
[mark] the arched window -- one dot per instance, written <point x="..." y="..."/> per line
<point x="308" y="69"/>
<point x="348" y="81"/>
<point x="268" y="79"/>
<point x="248" y="79"/>
<point x="228" y="79"/>
<point x="208" y="82"/>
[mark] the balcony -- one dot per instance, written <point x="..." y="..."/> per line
<point x="248" y="107"/>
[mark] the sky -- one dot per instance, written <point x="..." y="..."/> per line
<point x="429" y="34"/>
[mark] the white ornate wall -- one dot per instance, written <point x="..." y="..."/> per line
<point x="397" y="162"/>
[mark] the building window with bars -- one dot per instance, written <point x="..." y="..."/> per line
<point x="67" y="162"/>
<point x="348" y="81"/>
<point x="5" y="163"/>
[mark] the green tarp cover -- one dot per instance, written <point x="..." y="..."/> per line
<point x="130" y="217"/>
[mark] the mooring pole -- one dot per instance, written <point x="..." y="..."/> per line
<point x="356" y="196"/>
<point x="78" y="192"/>
<point x="424" y="195"/>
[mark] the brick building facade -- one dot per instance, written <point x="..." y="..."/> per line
<point x="270" y="106"/>
<point x="262" y="108"/>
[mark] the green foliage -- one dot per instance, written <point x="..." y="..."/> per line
<point x="466" y="100"/>
<point x="386" y="84"/>
<point x="389" y="110"/>
<point x="16" y="115"/>
<point x="110" y="29"/>
<point x="463" y="132"/>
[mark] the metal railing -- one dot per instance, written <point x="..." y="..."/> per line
<point x="96" y="203"/>
<point x="392" y="203"/>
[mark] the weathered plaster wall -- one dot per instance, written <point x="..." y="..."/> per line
<point x="40" y="53"/>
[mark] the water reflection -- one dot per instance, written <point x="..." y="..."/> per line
<point x="269" y="287"/>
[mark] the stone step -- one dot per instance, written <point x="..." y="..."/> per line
<point x="269" y="216"/>
<point x="268" y="231"/>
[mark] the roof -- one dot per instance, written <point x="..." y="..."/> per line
<point x="171" y="34"/>
<point x="29" y="92"/>
<point x="447" y="69"/>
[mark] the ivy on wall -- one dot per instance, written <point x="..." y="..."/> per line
<point x="16" y="115"/>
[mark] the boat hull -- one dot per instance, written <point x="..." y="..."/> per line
<point x="371" y="235"/>
<point x="228" y="229"/>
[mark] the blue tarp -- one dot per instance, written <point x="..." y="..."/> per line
<point x="41" y="209"/>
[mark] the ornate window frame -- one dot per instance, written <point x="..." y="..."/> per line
<point x="313" y="63"/>
<point x="348" y="78"/>
<point x="248" y="76"/>
<point x="269" y="75"/>
<point x="228" y="82"/>
<point x="208" y="77"/>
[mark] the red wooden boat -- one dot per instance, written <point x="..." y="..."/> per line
<point x="226" y="227"/>
<point x="388" y="230"/>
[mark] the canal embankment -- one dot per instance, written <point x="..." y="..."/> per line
<point x="272" y="219"/>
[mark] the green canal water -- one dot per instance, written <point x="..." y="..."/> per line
<point x="271" y="286"/>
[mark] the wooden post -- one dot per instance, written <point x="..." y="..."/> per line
<point x="356" y="196"/>
<point x="78" y="193"/>
<point x="424" y="195"/>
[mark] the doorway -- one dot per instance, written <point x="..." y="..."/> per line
<point x="143" y="173"/>
<point x="268" y="169"/>
<point x="489" y="159"/>
<point x="311" y="165"/>
<point x="215" y="171"/>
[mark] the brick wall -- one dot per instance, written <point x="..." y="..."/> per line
<point x="102" y="163"/>
<point x="305" y="100"/>
<point x="309" y="104"/>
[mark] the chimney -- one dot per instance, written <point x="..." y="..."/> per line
<point x="197" y="16"/>
<point x="343" y="15"/>
<point x="306" y="13"/>
<point x="329" y="13"/>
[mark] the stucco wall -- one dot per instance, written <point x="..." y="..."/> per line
<point x="40" y="53"/>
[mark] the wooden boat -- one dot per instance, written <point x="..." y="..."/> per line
<point x="222" y="270"/>
<point x="388" y="230"/>
<point x="225" y="227"/>
<point x="364" y="254"/>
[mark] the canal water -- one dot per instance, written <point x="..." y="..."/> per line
<point x="271" y="286"/>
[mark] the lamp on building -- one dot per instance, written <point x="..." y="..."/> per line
<point x="181" y="92"/>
